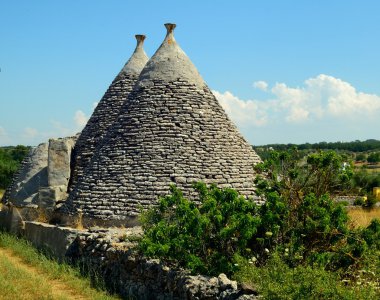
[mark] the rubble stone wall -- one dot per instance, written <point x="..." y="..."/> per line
<point x="30" y="177"/>
<point x="110" y="254"/>
<point x="43" y="176"/>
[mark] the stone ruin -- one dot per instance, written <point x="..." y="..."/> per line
<point x="42" y="178"/>
<point x="158" y="124"/>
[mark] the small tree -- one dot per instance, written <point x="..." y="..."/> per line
<point x="374" y="157"/>
<point x="360" y="157"/>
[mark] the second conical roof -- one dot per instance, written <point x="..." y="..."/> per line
<point x="171" y="130"/>
<point x="107" y="111"/>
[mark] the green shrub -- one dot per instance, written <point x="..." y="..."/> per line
<point x="205" y="238"/>
<point x="359" y="201"/>
<point x="276" y="280"/>
<point x="371" y="201"/>
<point x="299" y="229"/>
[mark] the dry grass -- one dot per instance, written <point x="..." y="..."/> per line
<point x="361" y="217"/>
<point x="370" y="168"/>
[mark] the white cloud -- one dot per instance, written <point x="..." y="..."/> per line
<point x="80" y="119"/>
<point x="242" y="112"/>
<point x="320" y="97"/>
<point x="323" y="108"/>
<point x="30" y="133"/>
<point x="323" y="96"/>
<point x="261" y="85"/>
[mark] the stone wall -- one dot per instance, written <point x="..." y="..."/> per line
<point x="110" y="254"/>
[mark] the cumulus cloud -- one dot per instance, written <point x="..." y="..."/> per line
<point x="80" y="119"/>
<point x="325" y="95"/>
<point x="242" y="112"/>
<point x="261" y="85"/>
<point x="323" y="108"/>
<point x="320" y="97"/>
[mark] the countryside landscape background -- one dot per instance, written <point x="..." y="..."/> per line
<point x="298" y="79"/>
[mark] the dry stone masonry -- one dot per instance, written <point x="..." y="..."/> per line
<point x="170" y="130"/>
<point x="43" y="176"/>
<point x="30" y="177"/>
<point x="107" y="111"/>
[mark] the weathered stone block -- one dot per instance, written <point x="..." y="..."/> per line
<point x="59" y="160"/>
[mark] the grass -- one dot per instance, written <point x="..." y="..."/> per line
<point x="2" y="193"/>
<point x="276" y="280"/>
<point x="362" y="217"/>
<point x="15" y="283"/>
<point x="32" y="275"/>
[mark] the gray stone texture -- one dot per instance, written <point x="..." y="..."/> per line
<point x="43" y="176"/>
<point x="106" y="111"/>
<point x="31" y="176"/>
<point x="170" y="130"/>
<point x="59" y="161"/>
<point x="111" y="255"/>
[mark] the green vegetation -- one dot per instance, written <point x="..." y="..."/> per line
<point x="10" y="159"/>
<point x="205" y="238"/>
<point x="297" y="245"/>
<point x="363" y="181"/>
<point x="356" y="146"/>
<point x="28" y="274"/>
<point x="373" y="157"/>
<point x="276" y="280"/>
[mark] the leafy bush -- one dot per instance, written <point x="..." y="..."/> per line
<point x="371" y="201"/>
<point x="359" y="201"/>
<point x="276" y="280"/>
<point x="205" y="238"/>
<point x="299" y="229"/>
<point x="364" y="181"/>
<point x="373" y="157"/>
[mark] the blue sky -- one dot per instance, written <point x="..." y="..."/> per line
<point x="285" y="71"/>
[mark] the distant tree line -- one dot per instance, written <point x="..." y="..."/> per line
<point x="355" y="146"/>
<point x="10" y="159"/>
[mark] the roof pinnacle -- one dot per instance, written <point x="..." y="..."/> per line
<point x="140" y="40"/>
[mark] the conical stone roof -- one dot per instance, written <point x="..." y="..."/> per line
<point x="171" y="130"/>
<point x="107" y="111"/>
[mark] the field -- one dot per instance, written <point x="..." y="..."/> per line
<point x="361" y="217"/>
<point x="370" y="168"/>
<point x="27" y="274"/>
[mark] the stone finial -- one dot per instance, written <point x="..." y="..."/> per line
<point x="169" y="35"/>
<point x="140" y="40"/>
<point x="170" y="27"/>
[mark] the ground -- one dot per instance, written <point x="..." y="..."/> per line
<point x="26" y="274"/>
